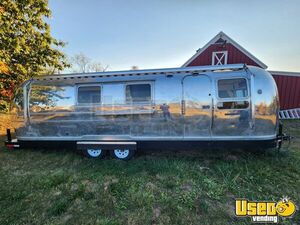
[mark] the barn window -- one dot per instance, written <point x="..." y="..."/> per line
<point x="138" y="93"/>
<point x="232" y="88"/>
<point x="89" y="94"/>
<point x="219" y="58"/>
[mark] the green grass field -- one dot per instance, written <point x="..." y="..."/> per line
<point x="62" y="187"/>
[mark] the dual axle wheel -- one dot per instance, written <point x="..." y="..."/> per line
<point x="122" y="154"/>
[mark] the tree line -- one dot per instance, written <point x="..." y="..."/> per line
<point x="28" y="49"/>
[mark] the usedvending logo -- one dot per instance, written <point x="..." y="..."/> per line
<point x="262" y="212"/>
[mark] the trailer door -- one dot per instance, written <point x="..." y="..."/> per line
<point x="232" y="109"/>
<point x="197" y="106"/>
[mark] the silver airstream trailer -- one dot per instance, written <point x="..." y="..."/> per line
<point x="231" y="105"/>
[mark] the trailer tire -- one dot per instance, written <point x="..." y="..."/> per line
<point x="94" y="153"/>
<point x="122" y="154"/>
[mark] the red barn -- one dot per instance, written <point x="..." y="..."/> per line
<point x="223" y="50"/>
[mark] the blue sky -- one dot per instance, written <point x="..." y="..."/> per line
<point x="166" y="33"/>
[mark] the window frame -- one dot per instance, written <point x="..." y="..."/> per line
<point x="88" y="85"/>
<point x="232" y="98"/>
<point x="214" y="56"/>
<point x="141" y="102"/>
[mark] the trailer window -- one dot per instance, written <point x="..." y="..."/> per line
<point x="232" y="88"/>
<point x="138" y="92"/>
<point x="89" y="94"/>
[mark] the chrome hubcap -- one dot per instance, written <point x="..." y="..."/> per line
<point x="121" y="154"/>
<point x="94" y="152"/>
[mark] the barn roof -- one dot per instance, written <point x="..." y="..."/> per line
<point x="223" y="38"/>
<point x="284" y="73"/>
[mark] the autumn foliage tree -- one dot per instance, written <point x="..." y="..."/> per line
<point x="26" y="46"/>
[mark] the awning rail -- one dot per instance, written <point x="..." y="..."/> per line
<point x="167" y="71"/>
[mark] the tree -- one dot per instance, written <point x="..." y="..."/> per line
<point x="134" y="68"/>
<point x="97" y="67"/>
<point x="80" y="63"/>
<point x="83" y="64"/>
<point x="27" y="48"/>
<point x="4" y="92"/>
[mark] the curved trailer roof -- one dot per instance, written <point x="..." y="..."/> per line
<point x="194" y="69"/>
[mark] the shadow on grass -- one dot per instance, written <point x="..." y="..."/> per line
<point x="225" y="154"/>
